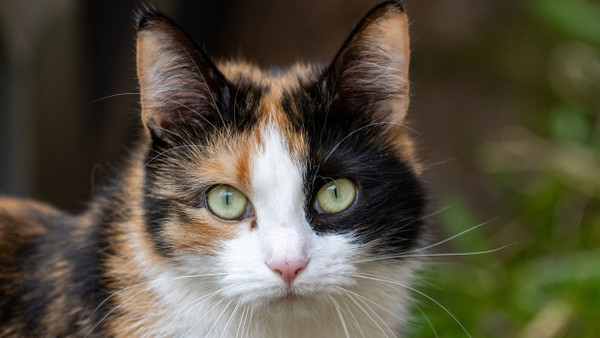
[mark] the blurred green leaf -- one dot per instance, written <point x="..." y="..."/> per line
<point x="577" y="18"/>
<point x="569" y="124"/>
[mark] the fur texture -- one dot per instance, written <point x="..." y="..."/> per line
<point x="149" y="258"/>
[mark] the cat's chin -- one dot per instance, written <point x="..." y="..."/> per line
<point x="290" y="297"/>
<point x="293" y="305"/>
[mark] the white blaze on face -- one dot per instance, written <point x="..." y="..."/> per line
<point x="278" y="197"/>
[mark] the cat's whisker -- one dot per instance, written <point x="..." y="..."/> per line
<point x="355" y="322"/>
<point x="455" y="236"/>
<point x="350" y="295"/>
<point x="426" y="319"/>
<point x="408" y="287"/>
<point x="409" y="253"/>
<point x="372" y="302"/>
<point x="242" y="321"/>
<point x="191" y="305"/>
<point x="431" y="214"/>
<point x="250" y="321"/>
<point x="231" y="316"/>
<point x="247" y="322"/>
<point x="158" y="281"/>
<point x="366" y="300"/>
<point x="219" y="317"/>
<point x="340" y="315"/>
<point x="199" y="301"/>
<point x="447" y="254"/>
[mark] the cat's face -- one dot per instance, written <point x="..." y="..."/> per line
<point x="285" y="189"/>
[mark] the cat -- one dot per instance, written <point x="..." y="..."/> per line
<point x="255" y="204"/>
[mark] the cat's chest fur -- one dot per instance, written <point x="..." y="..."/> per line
<point x="256" y="205"/>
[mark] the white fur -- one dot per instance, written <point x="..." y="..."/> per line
<point x="278" y="198"/>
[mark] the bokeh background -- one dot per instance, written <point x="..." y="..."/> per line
<point x="505" y="96"/>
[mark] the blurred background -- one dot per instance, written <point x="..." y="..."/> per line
<point x="505" y="96"/>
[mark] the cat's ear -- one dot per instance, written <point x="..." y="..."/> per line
<point x="180" y="87"/>
<point x="370" y="72"/>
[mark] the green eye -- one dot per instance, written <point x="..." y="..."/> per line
<point x="227" y="202"/>
<point x="335" y="196"/>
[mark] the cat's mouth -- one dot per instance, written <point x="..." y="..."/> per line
<point x="290" y="297"/>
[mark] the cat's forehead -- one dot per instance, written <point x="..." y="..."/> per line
<point x="273" y="79"/>
<point x="277" y="99"/>
<point x="256" y="154"/>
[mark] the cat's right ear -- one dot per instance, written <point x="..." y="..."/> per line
<point x="181" y="89"/>
<point x="370" y="72"/>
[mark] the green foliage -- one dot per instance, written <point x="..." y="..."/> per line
<point x="546" y="177"/>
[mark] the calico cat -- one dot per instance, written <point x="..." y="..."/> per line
<point x="256" y="204"/>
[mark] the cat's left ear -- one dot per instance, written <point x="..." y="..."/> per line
<point x="180" y="87"/>
<point x="370" y="72"/>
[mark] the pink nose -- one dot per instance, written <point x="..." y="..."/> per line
<point x="288" y="269"/>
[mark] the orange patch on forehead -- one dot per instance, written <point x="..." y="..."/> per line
<point x="276" y="117"/>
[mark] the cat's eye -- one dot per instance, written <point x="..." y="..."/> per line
<point x="227" y="202"/>
<point x="335" y="196"/>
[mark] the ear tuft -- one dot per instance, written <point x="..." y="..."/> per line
<point x="399" y="4"/>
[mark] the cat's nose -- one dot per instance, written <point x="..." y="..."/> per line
<point x="288" y="269"/>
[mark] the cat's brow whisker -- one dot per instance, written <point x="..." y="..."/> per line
<point x="408" y="287"/>
<point x="364" y="127"/>
<point x="173" y="149"/>
<point x="115" y="95"/>
<point x="168" y="100"/>
<point x="327" y="109"/>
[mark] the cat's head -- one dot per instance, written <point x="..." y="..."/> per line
<point x="283" y="187"/>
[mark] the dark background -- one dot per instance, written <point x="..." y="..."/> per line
<point x="505" y="97"/>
